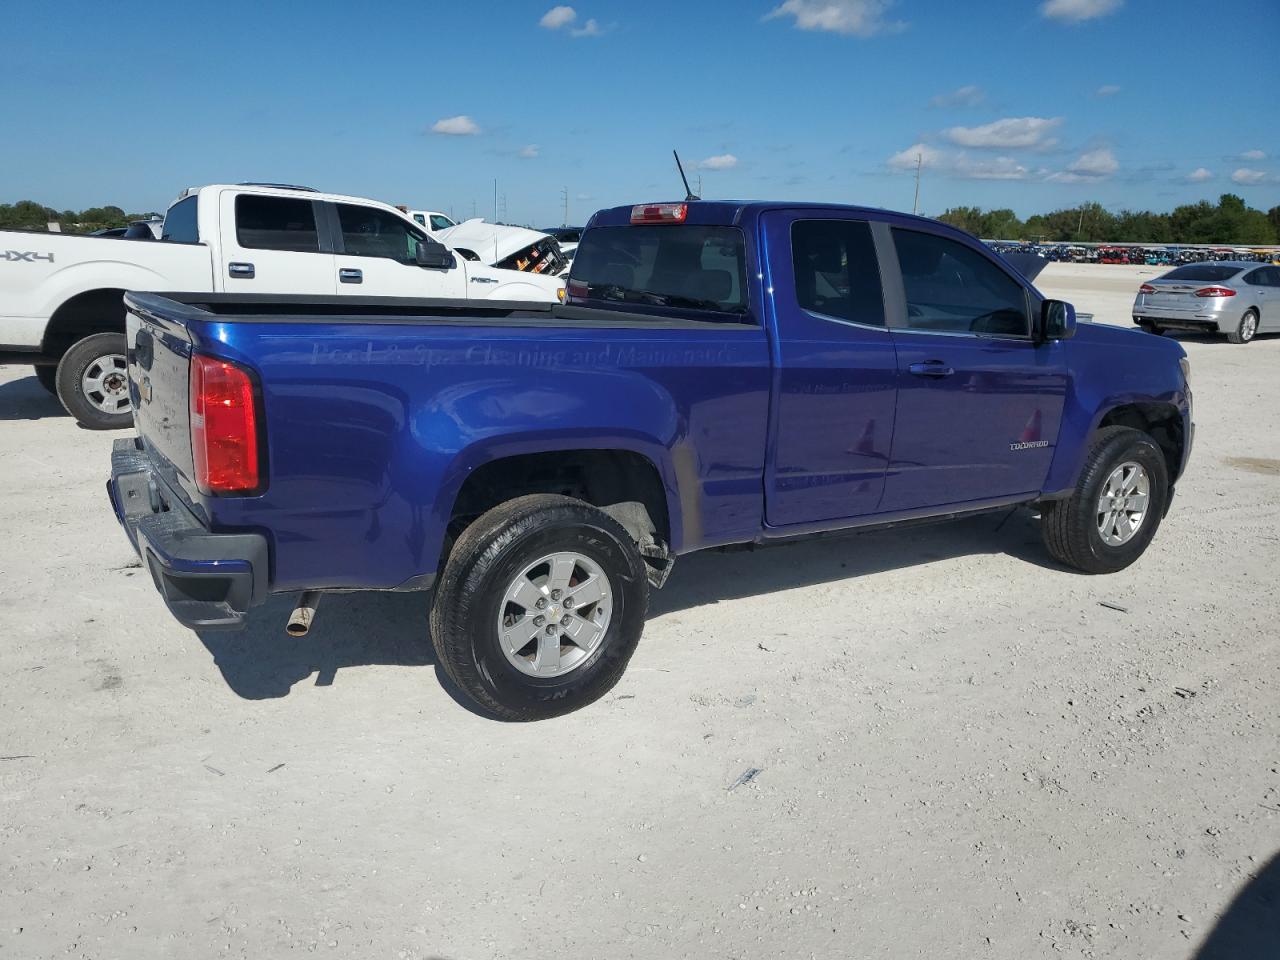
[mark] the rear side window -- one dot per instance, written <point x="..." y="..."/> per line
<point x="1202" y="273"/>
<point x="180" y="222"/>
<point x="836" y="270"/>
<point x="952" y="288"/>
<point x="276" y="223"/>
<point x="677" y="265"/>
<point x="369" y="232"/>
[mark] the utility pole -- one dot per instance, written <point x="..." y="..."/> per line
<point x="495" y="199"/>
<point x="699" y="184"/>
<point x="915" y="206"/>
<point x="565" y="192"/>
<point x="1080" y="225"/>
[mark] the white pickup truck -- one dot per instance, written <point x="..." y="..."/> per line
<point x="61" y="295"/>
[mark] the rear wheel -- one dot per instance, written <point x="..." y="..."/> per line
<point x="1119" y="500"/>
<point x="1247" y="329"/>
<point x="93" y="382"/>
<point x="539" y="607"/>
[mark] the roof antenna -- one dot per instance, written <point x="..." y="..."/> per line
<point x="688" y="194"/>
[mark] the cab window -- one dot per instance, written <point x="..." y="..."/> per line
<point x="368" y="232"/>
<point x="276" y="223"/>
<point x="180" y="222"/>
<point x="952" y="288"/>
<point x="836" y="272"/>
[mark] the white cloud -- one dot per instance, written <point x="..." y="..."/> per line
<point x="460" y="126"/>
<point x="1200" y="175"/>
<point x="1007" y="133"/>
<point x="558" y="17"/>
<point x="1074" y="11"/>
<point x="922" y="153"/>
<point x="860" y="18"/>
<point x="1089" y="167"/>
<point x="1095" y="163"/>
<point x="528" y="152"/>
<point x="726" y="161"/>
<point x="966" y="96"/>
<point x="1246" y="177"/>
<point x="1253" y="155"/>
<point x="589" y="29"/>
<point x="958" y="164"/>
<point x="1107" y="90"/>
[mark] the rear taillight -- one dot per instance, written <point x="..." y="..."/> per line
<point x="1215" y="292"/>
<point x="224" y="427"/>
<point x="1146" y="288"/>
<point x="659" y="213"/>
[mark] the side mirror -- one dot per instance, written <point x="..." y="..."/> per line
<point x="1057" y="321"/>
<point x="432" y="253"/>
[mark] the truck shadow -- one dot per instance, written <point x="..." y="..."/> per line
<point x="25" y="399"/>
<point x="1249" y="929"/>
<point x="362" y="629"/>
<point x="711" y="577"/>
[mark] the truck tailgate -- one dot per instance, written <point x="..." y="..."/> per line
<point x="159" y="370"/>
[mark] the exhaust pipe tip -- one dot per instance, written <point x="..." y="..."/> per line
<point x="299" y="624"/>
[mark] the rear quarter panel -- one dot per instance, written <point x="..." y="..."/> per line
<point x="373" y="428"/>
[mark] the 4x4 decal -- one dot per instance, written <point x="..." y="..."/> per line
<point x="25" y="256"/>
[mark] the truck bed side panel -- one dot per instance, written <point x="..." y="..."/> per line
<point x="41" y="271"/>
<point x="372" y="429"/>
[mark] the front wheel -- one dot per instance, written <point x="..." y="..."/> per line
<point x="1246" y="330"/>
<point x="539" y="608"/>
<point x="93" y="382"/>
<point x="1119" y="500"/>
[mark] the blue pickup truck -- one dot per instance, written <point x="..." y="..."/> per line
<point x="720" y="373"/>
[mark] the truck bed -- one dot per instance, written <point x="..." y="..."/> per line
<point x="374" y="411"/>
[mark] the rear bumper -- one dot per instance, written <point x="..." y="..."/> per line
<point x="1199" y="324"/>
<point x="208" y="580"/>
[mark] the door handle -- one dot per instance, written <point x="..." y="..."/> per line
<point x="241" y="271"/>
<point x="931" y="368"/>
<point x="350" y="275"/>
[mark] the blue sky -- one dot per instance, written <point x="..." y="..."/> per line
<point x="1031" y="105"/>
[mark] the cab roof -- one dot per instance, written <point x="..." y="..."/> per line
<point x="735" y="212"/>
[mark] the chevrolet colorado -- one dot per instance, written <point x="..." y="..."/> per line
<point x="62" y="295"/>
<point x="721" y="373"/>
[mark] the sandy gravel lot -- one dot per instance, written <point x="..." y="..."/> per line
<point x="964" y="750"/>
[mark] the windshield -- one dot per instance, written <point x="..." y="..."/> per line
<point x="1202" y="272"/>
<point x="676" y="265"/>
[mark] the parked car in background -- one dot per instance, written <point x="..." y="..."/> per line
<point x="431" y="220"/>
<point x="567" y="237"/>
<point x="1238" y="298"/>
<point x="137" y="230"/>
<point x="61" y="295"/>
<point x="721" y="373"/>
<point x="506" y="247"/>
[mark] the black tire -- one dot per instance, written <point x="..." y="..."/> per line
<point x="1070" y="527"/>
<point x="488" y="555"/>
<point x="48" y="377"/>
<point x="1244" y="331"/>
<point x="71" y="368"/>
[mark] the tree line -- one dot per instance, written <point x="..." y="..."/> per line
<point x="1230" y="221"/>
<point x="29" y="215"/>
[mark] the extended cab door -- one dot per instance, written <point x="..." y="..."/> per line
<point x="271" y="244"/>
<point x="979" y="402"/>
<point x="835" y="379"/>
<point x="377" y="256"/>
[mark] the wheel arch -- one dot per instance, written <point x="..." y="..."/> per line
<point x="99" y="310"/>
<point x="632" y="481"/>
